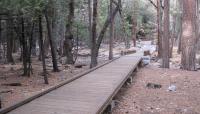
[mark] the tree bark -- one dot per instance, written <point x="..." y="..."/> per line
<point x="42" y="51"/>
<point x="165" y="43"/>
<point x="134" y="23"/>
<point x="159" y="18"/>
<point x="59" y="10"/>
<point x="30" y="50"/>
<point x="52" y="44"/>
<point x="69" y="34"/>
<point x="1" y="50"/>
<point x="94" y="53"/>
<point x="0" y="32"/>
<point x="24" y="47"/>
<point x="0" y="103"/>
<point x="111" y="32"/>
<point x="90" y="20"/>
<point x="33" y="43"/>
<point x="46" y="45"/>
<point x="198" y="24"/>
<point x="180" y="17"/>
<point x="189" y="37"/>
<point x="180" y="37"/>
<point x="10" y="41"/>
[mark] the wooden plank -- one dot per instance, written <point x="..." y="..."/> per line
<point x="45" y="109"/>
<point x="109" y="99"/>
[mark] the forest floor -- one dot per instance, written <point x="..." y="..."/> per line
<point x="140" y="98"/>
<point x="28" y="86"/>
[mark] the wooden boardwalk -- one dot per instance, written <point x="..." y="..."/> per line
<point x="89" y="94"/>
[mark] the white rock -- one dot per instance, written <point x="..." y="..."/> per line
<point x="172" y="88"/>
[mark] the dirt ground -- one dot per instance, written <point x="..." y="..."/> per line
<point x="139" y="99"/>
<point x="33" y="84"/>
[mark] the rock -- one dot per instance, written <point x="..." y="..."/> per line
<point x="80" y="65"/>
<point x="6" y="91"/>
<point x="67" y="66"/>
<point x="127" y="52"/>
<point x="12" y="84"/>
<point x="153" y="58"/>
<point x="146" y="53"/>
<point x="146" y="60"/>
<point x="84" y="54"/>
<point x="153" y="86"/>
<point x="198" y="67"/>
<point x="172" y="88"/>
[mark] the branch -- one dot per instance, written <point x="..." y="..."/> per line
<point x="107" y="23"/>
<point x="153" y="4"/>
<point x="114" y="2"/>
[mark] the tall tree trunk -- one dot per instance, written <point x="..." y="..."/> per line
<point x="180" y="17"/>
<point x="111" y="32"/>
<point x="59" y="23"/>
<point x="134" y="23"/>
<point x="197" y="20"/>
<point x="94" y="52"/>
<point x="1" y="50"/>
<point x="46" y="45"/>
<point x="165" y="43"/>
<point x="24" y="47"/>
<point x="189" y="35"/>
<point x="46" y="39"/>
<point x="0" y="103"/>
<point x="69" y="34"/>
<point x="159" y="18"/>
<point x="90" y="20"/>
<point x="33" y="43"/>
<point x="10" y="41"/>
<point x="30" y="50"/>
<point x="198" y="24"/>
<point x="52" y="44"/>
<point x="0" y="32"/>
<point x="42" y="51"/>
<point x="180" y="36"/>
